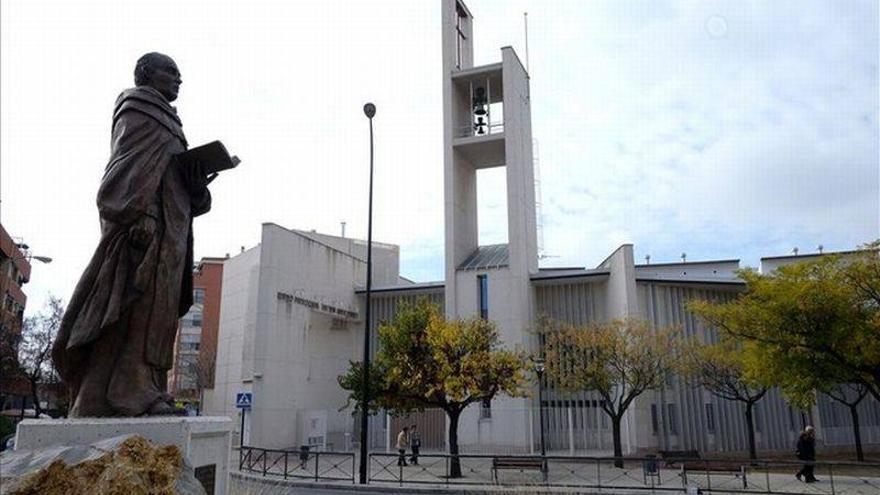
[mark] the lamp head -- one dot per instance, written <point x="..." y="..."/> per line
<point x="538" y="363"/>
<point x="369" y="110"/>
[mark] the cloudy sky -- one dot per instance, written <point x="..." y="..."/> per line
<point x="723" y="129"/>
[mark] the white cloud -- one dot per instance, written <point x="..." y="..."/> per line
<point x="652" y="129"/>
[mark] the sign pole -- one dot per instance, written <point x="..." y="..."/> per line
<point x="243" y="401"/>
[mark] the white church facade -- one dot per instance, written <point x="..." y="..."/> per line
<point x="292" y="308"/>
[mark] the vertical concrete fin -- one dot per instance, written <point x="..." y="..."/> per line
<point x="622" y="300"/>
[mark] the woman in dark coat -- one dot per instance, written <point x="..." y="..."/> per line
<point x="806" y="451"/>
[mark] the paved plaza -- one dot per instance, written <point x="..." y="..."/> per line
<point x="590" y="474"/>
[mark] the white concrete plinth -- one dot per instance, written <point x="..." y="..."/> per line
<point x="205" y="440"/>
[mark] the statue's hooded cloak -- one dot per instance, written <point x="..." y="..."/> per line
<point x="141" y="178"/>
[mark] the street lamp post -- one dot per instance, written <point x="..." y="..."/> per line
<point x="370" y="112"/>
<point x="539" y="370"/>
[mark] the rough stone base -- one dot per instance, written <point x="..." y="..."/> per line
<point x="127" y="464"/>
<point x="204" y="440"/>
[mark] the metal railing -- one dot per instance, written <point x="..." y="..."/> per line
<point x="312" y="465"/>
<point x="629" y="473"/>
<point x="471" y="131"/>
<point x="691" y="475"/>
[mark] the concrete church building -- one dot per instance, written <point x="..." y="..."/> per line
<point x="291" y="314"/>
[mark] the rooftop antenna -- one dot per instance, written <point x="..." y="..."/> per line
<point x="342" y="223"/>
<point x="821" y="248"/>
<point x="647" y="259"/>
<point x="526" y="23"/>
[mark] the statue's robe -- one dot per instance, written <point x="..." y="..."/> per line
<point x="115" y="343"/>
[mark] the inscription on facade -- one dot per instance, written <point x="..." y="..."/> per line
<point x="318" y="306"/>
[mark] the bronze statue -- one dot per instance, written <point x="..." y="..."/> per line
<point x="115" y="343"/>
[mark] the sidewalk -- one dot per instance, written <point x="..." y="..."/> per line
<point x="251" y="484"/>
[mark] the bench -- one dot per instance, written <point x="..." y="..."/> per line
<point x="690" y="460"/>
<point x="735" y="468"/>
<point x="670" y="457"/>
<point x="518" y="463"/>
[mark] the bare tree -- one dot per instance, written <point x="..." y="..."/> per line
<point x="11" y="378"/>
<point x="9" y="341"/>
<point x="851" y="395"/>
<point x="200" y="372"/>
<point x="34" y="354"/>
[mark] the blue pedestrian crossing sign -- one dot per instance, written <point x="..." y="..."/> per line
<point x="243" y="400"/>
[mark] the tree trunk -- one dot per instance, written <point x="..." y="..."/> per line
<point x="750" y="423"/>
<point x="873" y="389"/>
<point x="618" y="446"/>
<point x="854" y="411"/>
<point x="454" y="463"/>
<point x="35" y="397"/>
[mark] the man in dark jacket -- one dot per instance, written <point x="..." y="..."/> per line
<point x="415" y="443"/>
<point x="806" y="451"/>
<point x="116" y="339"/>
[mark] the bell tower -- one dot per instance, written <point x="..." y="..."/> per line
<point x="487" y="123"/>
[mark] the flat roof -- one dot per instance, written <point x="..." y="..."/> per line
<point x="811" y="255"/>
<point x="212" y="259"/>
<point x="691" y="281"/>
<point x="570" y="273"/>
<point x="686" y="263"/>
<point x="422" y="286"/>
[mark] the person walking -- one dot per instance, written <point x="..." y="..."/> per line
<point x="806" y="451"/>
<point x="303" y="456"/>
<point x="415" y="442"/>
<point x="402" y="442"/>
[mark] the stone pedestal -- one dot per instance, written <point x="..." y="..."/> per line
<point x="205" y="440"/>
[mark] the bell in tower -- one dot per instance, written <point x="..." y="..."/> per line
<point x="480" y="106"/>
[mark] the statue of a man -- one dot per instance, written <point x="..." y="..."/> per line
<point x="115" y="344"/>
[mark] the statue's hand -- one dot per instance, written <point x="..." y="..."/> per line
<point x="195" y="179"/>
<point x="142" y="231"/>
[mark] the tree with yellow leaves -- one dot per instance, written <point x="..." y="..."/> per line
<point x="815" y="324"/>
<point x="807" y="327"/>
<point x="728" y="370"/>
<point x="619" y="360"/>
<point x="425" y="361"/>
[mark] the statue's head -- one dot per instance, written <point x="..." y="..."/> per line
<point x="160" y="73"/>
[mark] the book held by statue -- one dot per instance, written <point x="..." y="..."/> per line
<point x="211" y="158"/>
